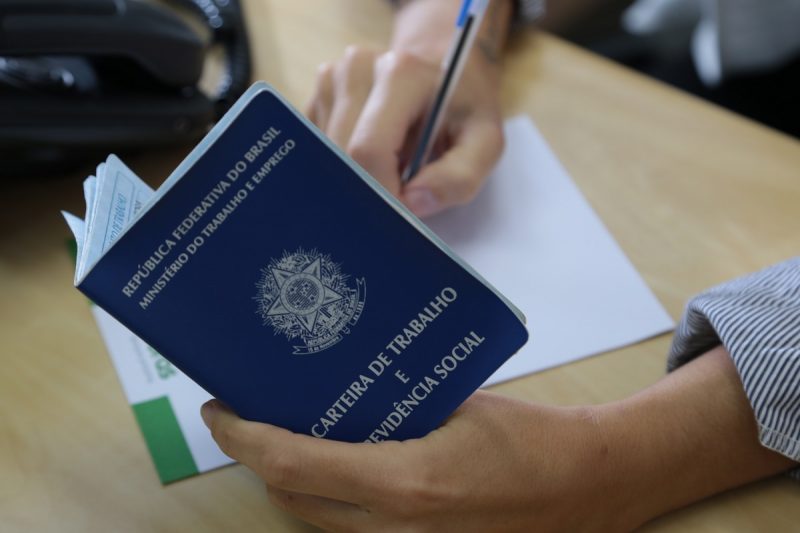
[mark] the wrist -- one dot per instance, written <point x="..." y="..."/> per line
<point x="425" y="28"/>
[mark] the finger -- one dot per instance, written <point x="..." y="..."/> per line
<point x="356" y="473"/>
<point x="326" y="513"/>
<point x="456" y="177"/>
<point x="400" y="94"/>
<point x="318" y="109"/>
<point x="352" y="82"/>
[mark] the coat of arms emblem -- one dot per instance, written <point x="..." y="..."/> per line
<point x="304" y="295"/>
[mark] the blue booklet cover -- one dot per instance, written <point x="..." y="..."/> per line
<point x="289" y="284"/>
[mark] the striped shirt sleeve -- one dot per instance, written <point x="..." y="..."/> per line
<point x="757" y="319"/>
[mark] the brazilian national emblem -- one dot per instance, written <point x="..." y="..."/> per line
<point x="305" y="296"/>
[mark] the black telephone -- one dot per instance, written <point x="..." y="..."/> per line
<point x="82" y="78"/>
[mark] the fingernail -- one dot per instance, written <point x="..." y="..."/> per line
<point x="422" y="202"/>
<point x="206" y="411"/>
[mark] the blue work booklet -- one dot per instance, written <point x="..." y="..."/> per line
<point x="284" y="280"/>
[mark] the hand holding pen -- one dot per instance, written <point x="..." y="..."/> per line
<point x="379" y="106"/>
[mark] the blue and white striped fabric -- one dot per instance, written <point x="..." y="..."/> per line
<point x="757" y="319"/>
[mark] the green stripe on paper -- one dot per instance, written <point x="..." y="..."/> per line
<point x="72" y="247"/>
<point x="165" y="440"/>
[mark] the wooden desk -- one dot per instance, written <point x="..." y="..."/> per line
<point x="694" y="195"/>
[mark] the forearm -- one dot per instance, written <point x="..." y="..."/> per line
<point x="691" y="435"/>
<point x="505" y="464"/>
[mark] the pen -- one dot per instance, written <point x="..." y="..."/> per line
<point x="467" y="25"/>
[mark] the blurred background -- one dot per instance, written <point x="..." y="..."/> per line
<point x="82" y="78"/>
<point x="741" y="54"/>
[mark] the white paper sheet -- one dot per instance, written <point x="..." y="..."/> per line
<point x="533" y="235"/>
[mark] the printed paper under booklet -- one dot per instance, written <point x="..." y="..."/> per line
<point x="288" y="283"/>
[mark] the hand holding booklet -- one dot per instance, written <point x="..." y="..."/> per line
<point x="285" y="281"/>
